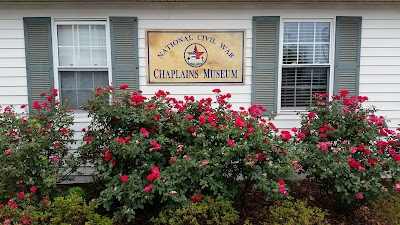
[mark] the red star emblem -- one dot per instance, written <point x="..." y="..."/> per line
<point x="198" y="54"/>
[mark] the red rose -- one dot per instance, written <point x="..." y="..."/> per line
<point x="230" y="142"/>
<point x="21" y="195"/>
<point x="239" y="122"/>
<point x="281" y="182"/>
<point x="344" y="93"/>
<point x="359" y="196"/>
<point x="88" y="140"/>
<point x="192" y="129"/>
<point x="108" y="157"/>
<point x="121" y="140"/>
<point x="123" y="87"/>
<point x="124" y="178"/>
<point x="148" y="188"/>
<point x="311" y="115"/>
<point x="197" y="198"/>
<point x="37" y="106"/>
<point x="285" y="135"/>
<point x="155" y="170"/>
<point x="151" y="177"/>
<point x="373" y="162"/>
<point x="281" y="189"/>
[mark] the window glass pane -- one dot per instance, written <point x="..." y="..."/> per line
<point x="71" y="97"/>
<point x="306" y="32"/>
<point x="82" y="45"/>
<point x="64" y="35"/>
<point x="289" y="77"/>
<point x="66" y="56"/>
<point x="98" y="35"/>
<point x="100" y="79"/>
<point x="287" y="97"/>
<point x="303" y="76"/>
<point x="83" y="56"/>
<point x="320" y="77"/>
<point x="308" y="41"/>
<point x="85" y="80"/>
<point x="290" y="32"/>
<point x="322" y="32"/>
<point x="68" y="80"/>
<point x="289" y="54"/>
<point x="303" y="97"/>
<point x="305" y="54"/>
<point x="82" y="35"/>
<point x="99" y="56"/>
<point x="321" y="53"/>
<point x="78" y="87"/>
<point x="299" y="84"/>
<point x="83" y="97"/>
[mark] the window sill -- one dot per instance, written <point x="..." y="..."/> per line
<point x="291" y="112"/>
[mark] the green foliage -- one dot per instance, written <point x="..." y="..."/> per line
<point x="247" y="222"/>
<point x="162" y="149"/>
<point x="68" y="210"/>
<point x="386" y="210"/>
<point x="73" y="210"/>
<point x="78" y="191"/>
<point x="297" y="212"/>
<point x="35" y="148"/>
<point x="339" y="150"/>
<point x="96" y="219"/>
<point x="207" y="212"/>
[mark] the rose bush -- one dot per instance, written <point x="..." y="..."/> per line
<point x="160" y="149"/>
<point x="390" y="147"/>
<point x="35" y="147"/>
<point x="340" y="151"/>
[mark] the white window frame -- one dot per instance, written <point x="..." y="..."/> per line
<point x="280" y="62"/>
<point x="56" y="67"/>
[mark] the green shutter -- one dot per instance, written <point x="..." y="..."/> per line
<point x="347" y="54"/>
<point x="124" y="52"/>
<point x="39" y="56"/>
<point x="265" y="61"/>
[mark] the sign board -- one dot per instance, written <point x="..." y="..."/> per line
<point x="190" y="56"/>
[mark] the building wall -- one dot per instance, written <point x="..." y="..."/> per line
<point x="380" y="52"/>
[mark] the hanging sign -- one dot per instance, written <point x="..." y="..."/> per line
<point x="204" y="57"/>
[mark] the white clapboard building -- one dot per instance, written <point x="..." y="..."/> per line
<point x="291" y="48"/>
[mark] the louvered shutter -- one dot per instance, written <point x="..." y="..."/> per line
<point x="347" y="54"/>
<point x="265" y="61"/>
<point x="39" y="56"/>
<point x="124" y="52"/>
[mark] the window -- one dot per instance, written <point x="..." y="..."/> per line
<point x="306" y="62"/>
<point x="82" y="60"/>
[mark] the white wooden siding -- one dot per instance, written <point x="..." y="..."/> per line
<point x="380" y="52"/>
